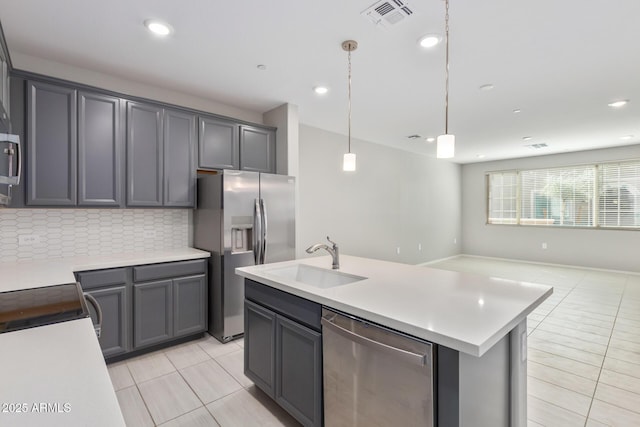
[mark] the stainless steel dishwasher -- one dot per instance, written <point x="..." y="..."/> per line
<point x="374" y="376"/>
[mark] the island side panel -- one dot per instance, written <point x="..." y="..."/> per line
<point x="485" y="387"/>
<point x="448" y="387"/>
<point x="518" y="343"/>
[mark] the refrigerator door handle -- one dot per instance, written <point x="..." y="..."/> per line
<point x="257" y="232"/>
<point x="264" y="231"/>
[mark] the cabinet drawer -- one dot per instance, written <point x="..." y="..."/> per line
<point x="172" y="269"/>
<point x="100" y="278"/>
<point x="291" y="306"/>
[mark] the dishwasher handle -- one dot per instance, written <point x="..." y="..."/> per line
<point x="407" y="356"/>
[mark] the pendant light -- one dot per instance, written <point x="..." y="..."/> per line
<point x="349" y="160"/>
<point x="446" y="143"/>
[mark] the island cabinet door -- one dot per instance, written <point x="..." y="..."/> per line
<point x="299" y="371"/>
<point x="259" y="343"/>
<point x="152" y="312"/>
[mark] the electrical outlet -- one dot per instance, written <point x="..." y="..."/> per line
<point x="28" y="239"/>
<point x="420" y="246"/>
<point x="398" y="250"/>
<point x="455" y="240"/>
<point x="544" y="245"/>
<point x="149" y="234"/>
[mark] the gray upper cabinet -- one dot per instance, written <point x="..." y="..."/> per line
<point x="179" y="162"/>
<point x="257" y="149"/>
<point x="144" y="155"/>
<point x="51" y="144"/>
<point x="217" y="144"/>
<point x="100" y="150"/>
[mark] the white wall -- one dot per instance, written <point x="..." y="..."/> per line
<point x="100" y="80"/>
<point x="608" y="249"/>
<point x="394" y="199"/>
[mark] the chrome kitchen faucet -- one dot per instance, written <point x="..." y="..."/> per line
<point x="335" y="254"/>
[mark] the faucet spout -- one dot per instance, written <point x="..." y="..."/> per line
<point x="333" y="251"/>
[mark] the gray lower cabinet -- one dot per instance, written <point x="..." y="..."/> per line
<point x="51" y="173"/>
<point x="190" y="309"/>
<point x="218" y="144"/>
<point x="260" y="346"/>
<point x="152" y="313"/>
<point x="167" y="309"/>
<point x="257" y="149"/>
<point x="114" y="335"/>
<point x="112" y="289"/>
<point x="283" y="350"/>
<point x="148" y="304"/>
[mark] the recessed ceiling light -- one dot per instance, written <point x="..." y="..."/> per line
<point x="261" y="67"/>
<point x="480" y="156"/>
<point x="517" y="111"/>
<point x="157" y="27"/>
<point x="486" y="87"/>
<point x="626" y="137"/>
<point x="429" y="40"/>
<point x="527" y="138"/>
<point x="431" y="139"/>
<point x="618" y="104"/>
<point x="321" y="90"/>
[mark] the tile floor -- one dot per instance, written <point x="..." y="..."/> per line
<point x="584" y="343"/>
<point x="584" y="360"/>
<point x="200" y="383"/>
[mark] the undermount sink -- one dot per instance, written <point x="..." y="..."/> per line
<point x="315" y="276"/>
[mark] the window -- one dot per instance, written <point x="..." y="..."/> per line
<point x="603" y="195"/>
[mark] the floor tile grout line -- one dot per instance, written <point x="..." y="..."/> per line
<point x="607" y="350"/>
<point x="563" y="387"/>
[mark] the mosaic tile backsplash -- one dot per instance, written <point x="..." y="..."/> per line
<point x="50" y="233"/>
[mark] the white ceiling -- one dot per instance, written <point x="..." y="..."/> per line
<point x="560" y="62"/>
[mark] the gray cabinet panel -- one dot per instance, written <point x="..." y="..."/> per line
<point x="101" y="278"/>
<point x="179" y="164"/>
<point x="259" y="346"/>
<point x="114" y="337"/>
<point x="51" y="145"/>
<point x="257" y="149"/>
<point x="144" y="155"/>
<point x="100" y="150"/>
<point x="152" y="313"/>
<point x="217" y="144"/>
<point x="299" y="371"/>
<point x="170" y="269"/>
<point x="189" y="297"/>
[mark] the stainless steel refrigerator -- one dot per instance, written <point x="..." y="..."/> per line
<point x="242" y="218"/>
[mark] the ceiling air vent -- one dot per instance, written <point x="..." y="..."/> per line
<point x="536" y="146"/>
<point x="385" y="13"/>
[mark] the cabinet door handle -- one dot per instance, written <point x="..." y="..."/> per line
<point x="98" y="309"/>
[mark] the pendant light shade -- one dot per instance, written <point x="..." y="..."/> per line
<point x="447" y="142"/>
<point x="349" y="162"/>
<point x="349" y="159"/>
<point x="445" y="146"/>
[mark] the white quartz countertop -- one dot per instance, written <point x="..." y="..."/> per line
<point x="55" y="375"/>
<point x="462" y="311"/>
<point x="35" y="273"/>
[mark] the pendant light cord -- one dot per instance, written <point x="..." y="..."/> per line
<point x="446" y="96"/>
<point x="349" y="101"/>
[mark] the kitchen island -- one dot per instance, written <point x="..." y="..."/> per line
<point x="477" y="326"/>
